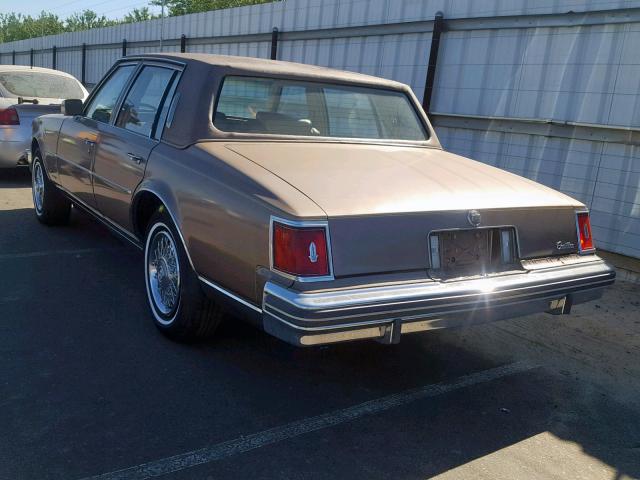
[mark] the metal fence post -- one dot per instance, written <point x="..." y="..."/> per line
<point x="54" y="59"/>
<point x="438" y="27"/>
<point x="124" y="47"/>
<point x="31" y="58"/>
<point x="183" y="43"/>
<point x="274" y="43"/>
<point x="84" y="63"/>
<point x="13" y="57"/>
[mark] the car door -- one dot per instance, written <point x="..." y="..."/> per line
<point x="125" y="145"/>
<point x="79" y="135"/>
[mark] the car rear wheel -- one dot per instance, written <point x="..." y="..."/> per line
<point x="178" y="305"/>
<point x="51" y="206"/>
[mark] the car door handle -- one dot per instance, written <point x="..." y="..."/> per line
<point x="89" y="144"/>
<point x="136" y="158"/>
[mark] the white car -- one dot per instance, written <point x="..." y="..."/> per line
<point x="27" y="93"/>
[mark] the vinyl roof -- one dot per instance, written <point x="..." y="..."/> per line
<point x="204" y="73"/>
<point x="275" y="67"/>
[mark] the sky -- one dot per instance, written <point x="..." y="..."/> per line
<point x="64" y="8"/>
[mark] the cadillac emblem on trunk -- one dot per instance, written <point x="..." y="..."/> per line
<point x="474" y="218"/>
<point x="560" y="245"/>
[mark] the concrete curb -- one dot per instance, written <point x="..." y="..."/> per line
<point x="627" y="268"/>
<point x="627" y="275"/>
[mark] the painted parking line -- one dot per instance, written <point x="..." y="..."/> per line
<point x="268" y="437"/>
<point x="47" y="253"/>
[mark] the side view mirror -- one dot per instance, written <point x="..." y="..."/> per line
<point x="71" y="107"/>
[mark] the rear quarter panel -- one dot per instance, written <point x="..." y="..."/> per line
<point x="222" y="204"/>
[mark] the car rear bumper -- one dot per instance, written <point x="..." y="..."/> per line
<point x="386" y="312"/>
<point x="13" y="148"/>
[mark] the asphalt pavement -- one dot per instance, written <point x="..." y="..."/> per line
<point x="89" y="387"/>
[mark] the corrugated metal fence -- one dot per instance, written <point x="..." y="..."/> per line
<point x="547" y="89"/>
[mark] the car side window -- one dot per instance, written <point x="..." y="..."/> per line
<point x="102" y="104"/>
<point x="140" y="107"/>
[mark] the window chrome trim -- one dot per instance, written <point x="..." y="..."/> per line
<point x="415" y="106"/>
<point x="96" y="90"/>
<point x="171" y="85"/>
<point x="302" y="224"/>
<point x="580" y="250"/>
<point x="172" y="110"/>
<point x="170" y="95"/>
<point x="150" y="58"/>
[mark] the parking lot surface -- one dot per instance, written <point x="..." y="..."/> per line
<point x="90" y="388"/>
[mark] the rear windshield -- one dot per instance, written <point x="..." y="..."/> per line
<point x="284" y="107"/>
<point x="39" y="84"/>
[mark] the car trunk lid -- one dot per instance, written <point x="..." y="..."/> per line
<point x="350" y="179"/>
<point x="28" y="111"/>
<point x="382" y="201"/>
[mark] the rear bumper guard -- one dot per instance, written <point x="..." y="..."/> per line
<point x="386" y="312"/>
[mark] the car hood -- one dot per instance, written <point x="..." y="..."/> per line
<point x="353" y="179"/>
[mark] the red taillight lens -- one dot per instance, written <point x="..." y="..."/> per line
<point x="584" y="232"/>
<point x="9" y="116"/>
<point x="300" y="251"/>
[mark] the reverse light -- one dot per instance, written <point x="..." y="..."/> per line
<point x="434" y="242"/>
<point x="585" y="238"/>
<point x="300" y="250"/>
<point x="9" y="116"/>
<point x="507" y="246"/>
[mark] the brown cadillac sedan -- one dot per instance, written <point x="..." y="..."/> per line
<point x="317" y="203"/>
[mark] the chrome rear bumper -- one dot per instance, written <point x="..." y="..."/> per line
<point x="385" y="312"/>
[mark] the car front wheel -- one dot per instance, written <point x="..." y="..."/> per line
<point x="178" y="305"/>
<point x="51" y="206"/>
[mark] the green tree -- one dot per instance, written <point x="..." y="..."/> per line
<point x="139" y="15"/>
<point x="15" y="26"/>
<point x="182" y="7"/>
<point x="87" y="20"/>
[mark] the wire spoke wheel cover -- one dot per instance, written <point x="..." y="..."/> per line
<point x="163" y="272"/>
<point x="38" y="187"/>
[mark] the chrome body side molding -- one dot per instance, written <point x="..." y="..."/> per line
<point x="114" y="227"/>
<point x="131" y="238"/>
<point x="230" y="295"/>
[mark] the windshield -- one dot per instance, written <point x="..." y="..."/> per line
<point x="284" y="107"/>
<point x="41" y="85"/>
